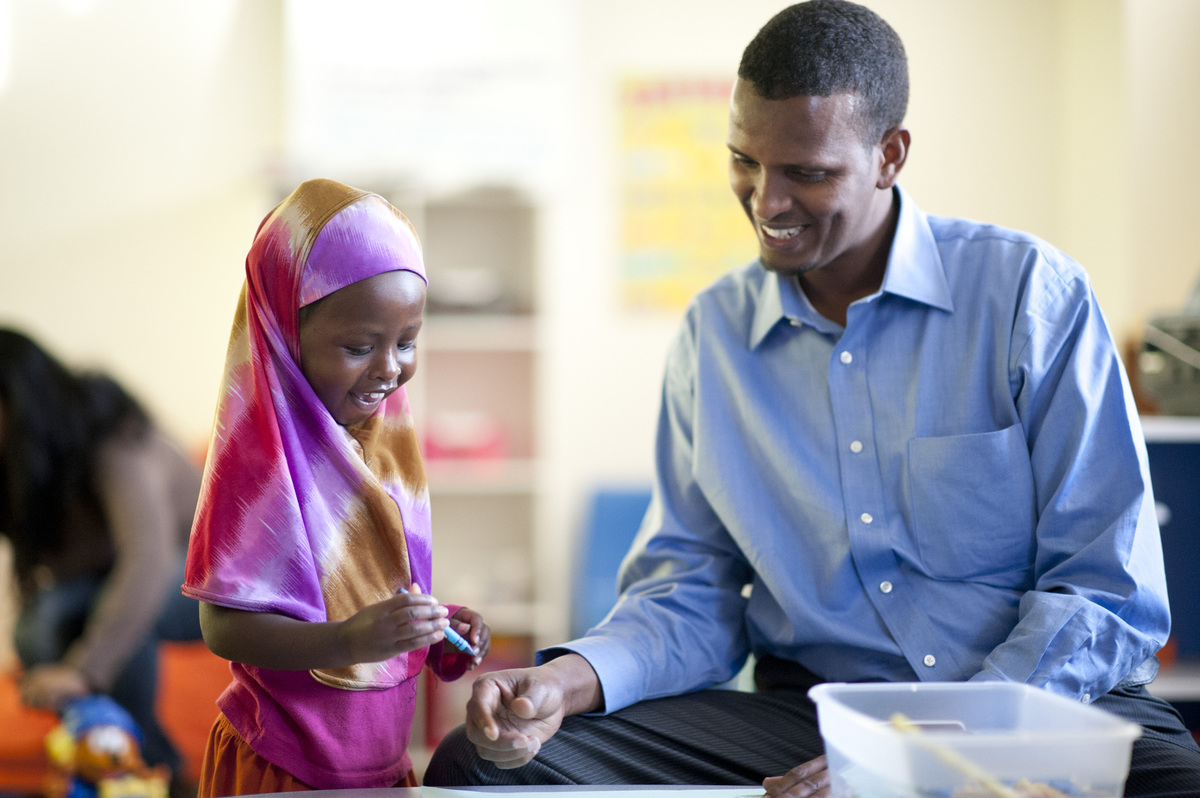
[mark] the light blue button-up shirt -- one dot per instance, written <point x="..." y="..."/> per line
<point x="954" y="486"/>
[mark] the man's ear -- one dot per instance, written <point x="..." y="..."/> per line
<point x="894" y="151"/>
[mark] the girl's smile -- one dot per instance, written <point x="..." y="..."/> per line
<point x="359" y="344"/>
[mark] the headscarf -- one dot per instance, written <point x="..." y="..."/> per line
<point x="292" y="518"/>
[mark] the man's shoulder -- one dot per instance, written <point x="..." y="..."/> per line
<point x="965" y="242"/>
<point x="961" y="228"/>
<point x="737" y="288"/>
<point x="723" y="312"/>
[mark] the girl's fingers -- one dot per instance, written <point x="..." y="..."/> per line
<point x="434" y="630"/>
<point x="425" y="609"/>
<point x="421" y="641"/>
<point x="434" y="612"/>
<point x="415" y="600"/>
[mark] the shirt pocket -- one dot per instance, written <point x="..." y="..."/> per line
<point x="972" y="505"/>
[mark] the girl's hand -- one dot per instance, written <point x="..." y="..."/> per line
<point x="470" y="625"/>
<point x="404" y="622"/>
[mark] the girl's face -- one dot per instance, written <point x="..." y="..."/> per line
<point x="359" y="344"/>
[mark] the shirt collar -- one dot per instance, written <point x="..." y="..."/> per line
<point x="914" y="271"/>
<point x="915" y="267"/>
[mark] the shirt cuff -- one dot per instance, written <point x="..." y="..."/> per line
<point x="617" y="669"/>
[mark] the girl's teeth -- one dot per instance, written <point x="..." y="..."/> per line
<point x="786" y="232"/>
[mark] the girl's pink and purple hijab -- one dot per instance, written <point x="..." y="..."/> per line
<point x="293" y="519"/>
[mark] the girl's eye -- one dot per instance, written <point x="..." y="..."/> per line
<point x="357" y="351"/>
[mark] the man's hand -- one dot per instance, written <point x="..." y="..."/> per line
<point x="50" y="686"/>
<point x="810" y="780"/>
<point x="511" y="713"/>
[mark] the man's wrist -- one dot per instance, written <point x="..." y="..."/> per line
<point x="581" y="689"/>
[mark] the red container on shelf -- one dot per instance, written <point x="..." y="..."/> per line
<point x="464" y="435"/>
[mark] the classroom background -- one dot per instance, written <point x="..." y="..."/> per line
<point x="564" y="163"/>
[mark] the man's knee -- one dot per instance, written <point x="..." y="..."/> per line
<point x="453" y="762"/>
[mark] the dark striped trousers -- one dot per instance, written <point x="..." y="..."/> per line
<point x="725" y="737"/>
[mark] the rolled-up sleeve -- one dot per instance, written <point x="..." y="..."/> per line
<point x="1098" y="609"/>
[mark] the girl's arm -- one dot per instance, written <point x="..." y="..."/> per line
<point x="401" y="623"/>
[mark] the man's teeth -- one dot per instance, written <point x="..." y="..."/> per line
<point x="781" y="232"/>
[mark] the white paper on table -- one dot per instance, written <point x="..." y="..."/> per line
<point x="598" y="791"/>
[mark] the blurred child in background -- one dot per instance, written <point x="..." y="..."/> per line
<point x="97" y="502"/>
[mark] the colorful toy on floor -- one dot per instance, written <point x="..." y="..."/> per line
<point x="96" y="752"/>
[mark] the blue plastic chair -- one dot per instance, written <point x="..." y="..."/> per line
<point x="613" y="518"/>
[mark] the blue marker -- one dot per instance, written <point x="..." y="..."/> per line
<point x="453" y="637"/>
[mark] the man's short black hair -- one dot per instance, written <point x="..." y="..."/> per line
<point x="826" y="47"/>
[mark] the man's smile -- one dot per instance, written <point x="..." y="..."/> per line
<point x="781" y="234"/>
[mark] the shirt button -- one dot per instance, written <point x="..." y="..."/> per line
<point x="930" y="660"/>
<point x="793" y="322"/>
<point x="1086" y="698"/>
<point x="856" y="446"/>
<point x="866" y="518"/>
<point x="845" y="357"/>
<point x="885" y="586"/>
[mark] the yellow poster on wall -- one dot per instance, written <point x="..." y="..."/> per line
<point x="681" y="225"/>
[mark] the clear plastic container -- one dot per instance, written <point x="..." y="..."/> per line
<point x="969" y="740"/>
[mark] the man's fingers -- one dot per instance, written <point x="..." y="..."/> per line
<point x="797" y="788"/>
<point x="523" y="707"/>
<point x="481" y="710"/>
<point x="802" y="781"/>
<point x="507" y="759"/>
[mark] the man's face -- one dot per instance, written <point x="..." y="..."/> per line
<point x="804" y="176"/>
<point x="359" y="344"/>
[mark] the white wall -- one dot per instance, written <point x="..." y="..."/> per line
<point x="1063" y="118"/>
<point x="134" y="141"/>
<point x="136" y="136"/>
<point x="1162" y="207"/>
<point x="137" y="139"/>
<point x="982" y="114"/>
<point x="983" y="146"/>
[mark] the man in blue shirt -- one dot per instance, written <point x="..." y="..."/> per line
<point x="894" y="447"/>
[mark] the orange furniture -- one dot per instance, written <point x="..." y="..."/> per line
<point x="191" y="677"/>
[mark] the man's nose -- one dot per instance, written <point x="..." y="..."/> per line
<point x="772" y="195"/>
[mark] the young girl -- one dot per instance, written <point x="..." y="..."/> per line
<point x="314" y="514"/>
